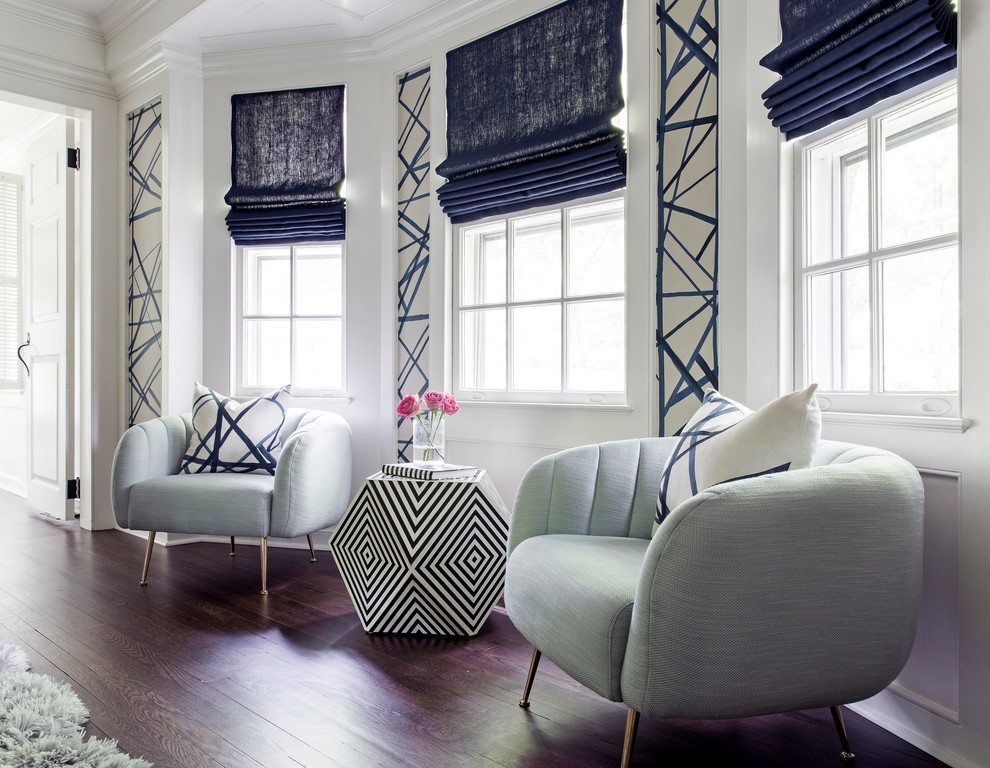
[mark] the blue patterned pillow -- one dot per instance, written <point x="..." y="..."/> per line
<point x="229" y="436"/>
<point x="725" y="441"/>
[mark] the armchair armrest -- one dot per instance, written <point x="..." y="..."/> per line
<point x="312" y="476"/>
<point x="150" y="449"/>
<point x="793" y="590"/>
<point x="605" y="489"/>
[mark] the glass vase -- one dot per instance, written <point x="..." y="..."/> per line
<point x="428" y="439"/>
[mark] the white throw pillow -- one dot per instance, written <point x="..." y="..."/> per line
<point x="229" y="436"/>
<point x="725" y="440"/>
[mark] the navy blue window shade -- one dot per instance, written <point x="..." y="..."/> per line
<point x="287" y="166"/>
<point x="529" y="113"/>
<point x="838" y="57"/>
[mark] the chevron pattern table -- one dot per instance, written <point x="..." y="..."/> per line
<point x="423" y="556"/>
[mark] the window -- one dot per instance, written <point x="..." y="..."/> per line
<point x="291" y="319"/>
<point x="10" y="281"/>
<point x="540" y="305"/>
<point x="877" y="272"/>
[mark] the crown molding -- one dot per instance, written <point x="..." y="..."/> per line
<point x="151" y="61"/>
<point x="16" y="61"/>
<point x="52" y="17"/>
<point x="121" y="14"/>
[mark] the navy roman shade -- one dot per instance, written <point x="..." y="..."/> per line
<point x="287" y="166"/>
<point x="838" y="57"/>
<point x="530" y="110"/>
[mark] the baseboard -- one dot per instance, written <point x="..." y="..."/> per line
<point x="911" y="736"/>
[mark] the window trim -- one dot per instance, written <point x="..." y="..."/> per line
<point x="239" y="316"/>
<point x="914" y="409"/>
<point x="539" y="398"/>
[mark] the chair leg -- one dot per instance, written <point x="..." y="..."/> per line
<point x="632" y="724"/>
<point x="147" y="558"/>
<point x="232" y="551"/>
<point x="312" y="549"/>
<point x="524" y="701"/>
<point x="847" y="753"/>
<point x="264" y="566"/>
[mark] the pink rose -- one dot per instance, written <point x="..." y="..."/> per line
<point x="408" y="406"/>
<point x="449" y="405"/>
<point x="433" y="400"/>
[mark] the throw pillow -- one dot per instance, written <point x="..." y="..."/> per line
<point x="725" y="440"/>
<point x="230" y="436"/>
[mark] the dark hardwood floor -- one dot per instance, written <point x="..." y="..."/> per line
<point x="198" y="669"/>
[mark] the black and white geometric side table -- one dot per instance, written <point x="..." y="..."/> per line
<point x="423" y="556"/>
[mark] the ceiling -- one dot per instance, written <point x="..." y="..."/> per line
<point x="216" y="26"/>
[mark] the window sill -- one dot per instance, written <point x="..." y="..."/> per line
<point x="888" y="421"/>
<point x="527" y="406"/>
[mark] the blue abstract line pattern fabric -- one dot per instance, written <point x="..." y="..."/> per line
<point x="687" y="200"/>
<point x="287" y="166"/>
<point x="144" y="219"/>
<point x="530" y="110"/>
<point x="229" y="436"/>
<point x="839" y="57"/>
<point x="413" y="254"/>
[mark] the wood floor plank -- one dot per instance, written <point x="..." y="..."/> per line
<point x="198" y="670"/>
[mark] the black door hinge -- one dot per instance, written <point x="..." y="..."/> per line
<point x="73" y="490"/>
<point x="73" y="157"/>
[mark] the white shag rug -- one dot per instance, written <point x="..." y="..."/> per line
<point x="41" y="722"/>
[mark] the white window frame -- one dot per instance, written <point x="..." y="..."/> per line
<point x="240" y="316"/>
<point x="926" y="405"/>
<point x="11" y="240"/>
<point x="539" y="397"/>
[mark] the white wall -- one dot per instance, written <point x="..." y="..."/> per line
<point x="941" y="701"/>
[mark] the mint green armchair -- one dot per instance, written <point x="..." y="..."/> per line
<point x="770" y="594"/>
<point x="309" y="491"/>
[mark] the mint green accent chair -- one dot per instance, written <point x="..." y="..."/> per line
<point x="784" y="592"/>
<point x="308" y="492"/>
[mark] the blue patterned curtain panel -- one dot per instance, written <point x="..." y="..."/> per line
<point x="839" y="57"/>
<point x="529" y="113"/>
<point x="413" y="240"/>
<point x="144" y="290"/>
<point x="687" y="199"/>
<point x="287" y="166"/>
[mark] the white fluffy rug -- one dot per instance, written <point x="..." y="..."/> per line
<point x="41" y="722"/>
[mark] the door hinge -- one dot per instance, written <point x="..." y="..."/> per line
<point x="73" y="157"/>
<point x="73" y="490"/>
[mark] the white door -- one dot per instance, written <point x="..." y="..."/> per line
<point x="48" y="303"/>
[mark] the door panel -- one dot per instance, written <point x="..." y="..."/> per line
<point x="49" y="312"/>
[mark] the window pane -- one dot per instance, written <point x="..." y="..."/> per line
<point x="596" y="346"/>
<point x="536" y="261"/>
<point x="266" y="353"/>
<point x="839" y="333"/>
<point x="266" y="281"/>
<point x="536" y="348"/>
<point x="838" y="197"/>
<point x="483" y="264"/>
<point x="319" y="281"/>
<point x="596" y="239"/>
<point x="920" y="193"/>
<point x="920" y="295"/>
<point x="483" y="349"/>
<point x="318" y="350"/>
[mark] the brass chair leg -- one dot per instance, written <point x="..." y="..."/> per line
<point x="632" y="724"/>
<point x="232" y="552"/>
<point x="264" y="566"/>
<point x="847" y="753"/>
<point x="312" y="549"/>
<point x="147" y="558"/>
<point x="524" y="701"/>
